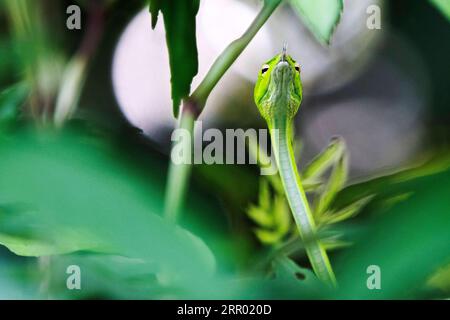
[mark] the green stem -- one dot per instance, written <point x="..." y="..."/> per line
<point x="75" y="72"/>
<point x="179" y="174"/>
<point x="231" y="53"/>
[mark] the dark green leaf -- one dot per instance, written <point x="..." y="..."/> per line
<point x="179" y="22"/>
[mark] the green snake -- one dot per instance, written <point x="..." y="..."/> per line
<point x="278" y="94"/>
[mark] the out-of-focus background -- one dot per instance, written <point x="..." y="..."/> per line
<point x="82" y="194"/>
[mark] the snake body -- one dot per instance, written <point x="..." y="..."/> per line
<point x="278" y="95"/>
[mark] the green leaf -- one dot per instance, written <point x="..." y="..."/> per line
<point x="277" y="221"/>
<point x="69" y="191"/>
<point x="282" y="214"/>
<point x="320" y="16"/>
<point x="394" y="183"/>
<point x="15" y="280"/>
<point x="264" y="194"/>
<point x="179" y="22"/>
<point x="324" y="160"/>
<point x="443" y="6"/>
<point x="154" y="8"/>
<point x="345" y="213"/>
<point x="287" y="270"/>
<point x="335" y="183"/>
<point x="260" y="216"/>
<point x="409" y="243"/>
<point x="271" y="215"/>
<point x="267" y="237"/>
<point x="106" y="276"/>
<point x="440" y="280"/>
<point x="11" y="100"/>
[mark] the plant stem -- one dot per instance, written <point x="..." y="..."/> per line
<point x="178" y="177"/>
<point x="231" y="53"/>
<point x="75" y="72"/>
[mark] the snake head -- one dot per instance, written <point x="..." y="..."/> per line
<point x="278" y="90"/>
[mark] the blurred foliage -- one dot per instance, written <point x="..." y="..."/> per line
<point x="74" y="195"/>
<point x="440" y="280"/>
<point x="409" y="242"/>
<point x="320" y="16"/>
<point x="272" y="216"/>
<point x="427" y="37"/>
<point x="11" y="99"/>
<point x="40" y="59"/>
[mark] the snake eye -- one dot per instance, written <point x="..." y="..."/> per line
<point x="264" y="68"/>
<point x="297" y="67"/>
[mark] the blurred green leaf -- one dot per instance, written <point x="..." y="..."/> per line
<point x="393" y="183"/>
<point x="264" y="194"/>
<point x="287" y="270"/>
<point x="179" y="22"/>
<point x="11" y="100"/>
<point x="280" y="226"/>
<point x="409" y="243"/>
<point x="440" y="280"/>
<point x="267" y="237"/>
<point x="72" y="82"/>
<point x="15" y="281"/>
<point x="260" y="216"/>
<point x="8" y="59"/>
<point x="345" y="213"/>
<point x="272" y="215"/>
<point x="69" y="191"/>
<point x="320" y="16"/>
<point x="105" y="276"/>
<point x="443" y="6"/>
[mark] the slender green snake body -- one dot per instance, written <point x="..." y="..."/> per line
<point x="278" y="94"/>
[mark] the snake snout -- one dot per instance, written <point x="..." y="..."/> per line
<point x="282" y="71"/>
<point x="282" y="64"/>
